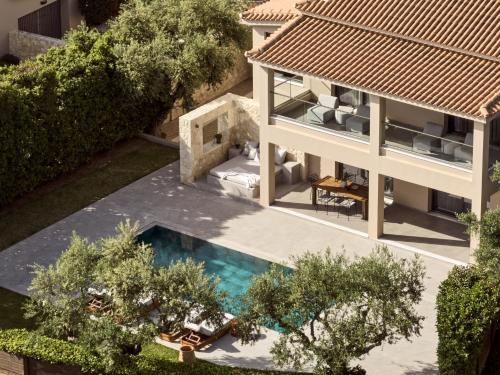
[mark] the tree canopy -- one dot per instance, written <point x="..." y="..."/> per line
<point x="122" y="271"/>
<point x="332" y="310"/>
<point x="166" y="49"/>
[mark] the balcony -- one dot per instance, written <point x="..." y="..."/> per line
<point x="430" y="143"/>
<point x="294" y="102"/>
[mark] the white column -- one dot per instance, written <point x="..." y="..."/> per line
<point x="375" y="205"/>
<point x="265" y="78"/>
<point x="377" y="127"/>
<point x="376" y="180"/>
<point x="480" y="160"/>
<point x="267" y="176"/>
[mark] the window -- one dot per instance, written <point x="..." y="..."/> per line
<point x="284" y="76"/>
<point x="448" y="203"/>
<point x="351" y="97"/>
<point x="459" y="125"/>
<point x="209" y="131"/>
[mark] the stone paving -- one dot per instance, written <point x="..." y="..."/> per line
<point x="262" y="232"/>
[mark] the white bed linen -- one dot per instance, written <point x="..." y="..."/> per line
<point x="240" y="170"/>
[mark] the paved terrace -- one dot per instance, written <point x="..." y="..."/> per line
<point x="266" y="233"/>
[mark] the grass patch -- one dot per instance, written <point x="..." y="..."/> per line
<point x="11" y="312"/>
<point x="104" y="174"/>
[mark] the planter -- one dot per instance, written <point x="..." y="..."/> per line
<point x="186" y="354"/>
<point x="170" y="337"/>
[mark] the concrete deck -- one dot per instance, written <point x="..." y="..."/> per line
<point x="427" y="232"/>
<point x="262" y="232"/>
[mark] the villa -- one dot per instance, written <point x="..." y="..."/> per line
<point x="30" y="27"/>
<point x="390" y="108"/>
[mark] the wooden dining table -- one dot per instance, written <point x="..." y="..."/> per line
<point x="344" y="189"/>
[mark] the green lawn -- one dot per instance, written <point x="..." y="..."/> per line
<point x="106" y="173"/>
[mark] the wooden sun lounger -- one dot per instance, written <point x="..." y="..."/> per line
<point x="198" y="340"/>
<point x="97" y="304"/>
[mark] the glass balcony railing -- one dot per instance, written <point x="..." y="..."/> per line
<point x="341" y="120"/>
<point x="450" y="148"/>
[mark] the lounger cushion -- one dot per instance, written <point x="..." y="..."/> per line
<point x="208" y="330"/>
<point x="328" y="101"/>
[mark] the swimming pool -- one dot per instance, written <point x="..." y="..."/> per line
<point x="234" y="269"/>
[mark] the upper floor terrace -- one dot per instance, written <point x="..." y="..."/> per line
<point x="344" y="112"/>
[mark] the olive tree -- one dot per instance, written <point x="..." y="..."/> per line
<point x="184" y="289"/>
<point x="166" y="49"/>
<point x="122" y="270"/>
<point x="332" y="310"/>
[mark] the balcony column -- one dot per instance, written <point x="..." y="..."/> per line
<point x="267" y="176"/>
<point x="480" y="176"/>
<point x="377" y="128"/>
<point x="265" y="77"/>
<point x="376" y="180"/>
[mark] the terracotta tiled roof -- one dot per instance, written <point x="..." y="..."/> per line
<point x="272" y="10"/>
<point x="394" y="66"/>
<point x="469" y="25"/>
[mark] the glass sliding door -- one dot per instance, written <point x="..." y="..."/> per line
<point x="449" y="204"/>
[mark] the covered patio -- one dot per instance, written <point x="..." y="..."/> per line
<point x="429" y="233"/>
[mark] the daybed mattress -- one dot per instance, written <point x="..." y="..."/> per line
<point x="241" y="171"/>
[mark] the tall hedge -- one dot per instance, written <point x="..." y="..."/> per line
<point x="58" y="110"/>
<point x="467" y="308"/>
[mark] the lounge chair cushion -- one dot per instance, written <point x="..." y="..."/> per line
<point x="423" y="142"/>
<point x="464" y="152"/>
<point x="363" y="111"/>
<point x="324" y="111"/>
<point x="358" y="125"/>
<point x="209" y="330"/>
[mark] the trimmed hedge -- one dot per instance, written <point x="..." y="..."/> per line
<point x="467" y="307"/>
<point x="154" y="359"/>
<point x="60" y="109"/>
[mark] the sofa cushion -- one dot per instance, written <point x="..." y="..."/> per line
<point x="279" y="155"/>
<point x="434" y="129"/>
<point x="363" y="111"/>
<point x="328" y="101"/>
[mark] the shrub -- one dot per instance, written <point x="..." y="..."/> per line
<point x="154" y="359"/>
<point x="97" y="12"/>
<point x="58" y="110"/>
<point x="467" y="306"/>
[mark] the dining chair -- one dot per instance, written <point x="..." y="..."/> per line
<point x="347" y="204"/>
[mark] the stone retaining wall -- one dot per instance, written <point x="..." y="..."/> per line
<point x="26" y="45"/>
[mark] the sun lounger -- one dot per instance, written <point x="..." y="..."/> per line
<point x="203" y="334"/>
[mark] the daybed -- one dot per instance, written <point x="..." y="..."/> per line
<point x="239" y="176"/>
<point x="204" y="333"/>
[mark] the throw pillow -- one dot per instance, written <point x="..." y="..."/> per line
<point x="279" y="155"/>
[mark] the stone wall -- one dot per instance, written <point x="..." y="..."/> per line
<point x="27" y="45"/>
<point x="237" y="119"/>
<point x="238" y="122"/>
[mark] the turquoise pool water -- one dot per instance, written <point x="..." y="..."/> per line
<point x="234" y="269"/>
